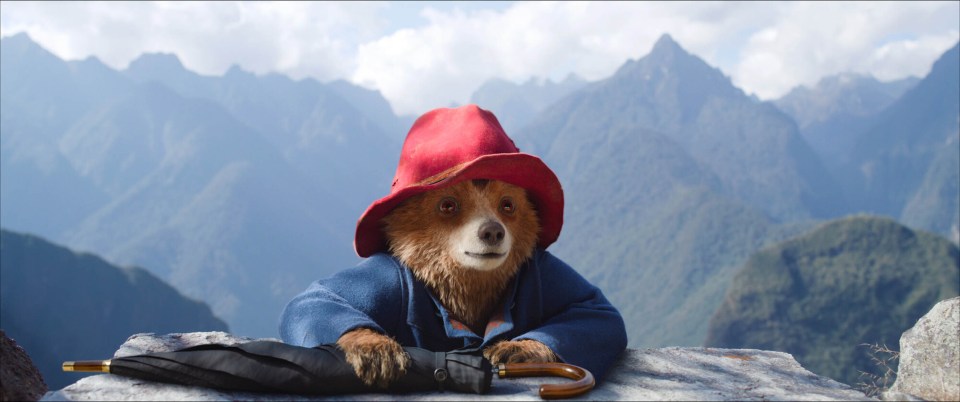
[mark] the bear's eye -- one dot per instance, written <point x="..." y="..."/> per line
<point x="448" y="206"/>
<point x="506" y="206"/>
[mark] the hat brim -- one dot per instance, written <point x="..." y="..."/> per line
<point x="520" y="169"/>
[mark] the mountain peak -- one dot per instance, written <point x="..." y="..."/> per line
<point x="19" y="53"/>
<point x="19" y="37"/>
<point x="666" y="47"/>
<point x="21" y="43"/>
<point x="162" y="67"/>
<point x="166" y="62"/>
<point x="947" y="63"/>
<point x="236" y="71"/>
<point x="666" y="42"/>
<point x="669" y="71"/>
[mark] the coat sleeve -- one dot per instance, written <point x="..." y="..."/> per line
<point x="368" y="295"/>
<point x="579" y="325"/>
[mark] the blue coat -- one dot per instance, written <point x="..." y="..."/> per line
<point x="548" y="301"/>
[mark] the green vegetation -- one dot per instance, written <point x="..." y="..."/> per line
<point x="821" y="295"/>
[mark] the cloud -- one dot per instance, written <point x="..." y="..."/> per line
<point x="806" y="41"/>
<point x="295" y="38"/>
<point x="766" y="48"/>
<point x="444" y="61"/>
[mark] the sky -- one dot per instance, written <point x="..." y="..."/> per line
<point x="422" y="55"/>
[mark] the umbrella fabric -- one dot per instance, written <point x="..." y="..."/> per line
<point x="265" y="366"/>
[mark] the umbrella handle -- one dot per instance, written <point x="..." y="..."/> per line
<point x="583" y="379"/>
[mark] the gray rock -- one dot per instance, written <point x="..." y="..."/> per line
<point x="139" y="344"/>
<point x="930" y="355"/>
<point x="899" y="396"/>
<point x="642" y="374"/>
<point x="19" y="378"/>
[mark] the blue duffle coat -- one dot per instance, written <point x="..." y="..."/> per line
<point x="548" y="302"/>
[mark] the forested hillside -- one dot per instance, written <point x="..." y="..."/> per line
<point x="820" y="296"/>
<point x="61" y="305"/>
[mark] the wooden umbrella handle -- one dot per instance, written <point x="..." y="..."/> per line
<point x="583" y="379"/>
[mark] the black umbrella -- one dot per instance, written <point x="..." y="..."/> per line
<point x="274" y="367"/>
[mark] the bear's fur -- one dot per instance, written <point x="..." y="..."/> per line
<point x="460" y="252"/>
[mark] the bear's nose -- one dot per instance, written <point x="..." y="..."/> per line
<point x="491" y="233"/>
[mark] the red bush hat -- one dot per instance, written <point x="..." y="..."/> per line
<point x="447" y="146"/>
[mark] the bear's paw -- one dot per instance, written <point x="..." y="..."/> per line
<point x="377" y="359"/>
<point x="522" y="351"/>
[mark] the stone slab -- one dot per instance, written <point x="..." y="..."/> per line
<point x="641" y="374"/>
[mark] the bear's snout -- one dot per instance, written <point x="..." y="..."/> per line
<point x="491" y="233"/>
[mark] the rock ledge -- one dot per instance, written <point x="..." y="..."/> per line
<point x="641" y="374"/>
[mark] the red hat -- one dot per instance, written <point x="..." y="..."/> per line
<point x="447" y="146"/>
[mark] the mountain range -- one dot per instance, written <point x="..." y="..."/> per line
<point x="516" y="105"/>
<point x="831" y="114"/>
<point x="664" y="197"/>
<point x="60" y="305"/>
<point x="241" y="189"/>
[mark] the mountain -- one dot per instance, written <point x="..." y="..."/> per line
<point x="934" y="206"/>
<point x="894" y="147"/>
<point x="332" y="133"/>
<point x="906" y="161"/>
<point x="833" y="112"/>
<point x="39" y="99"/>
<point x="820" y="296"/>
<point x="201" y="205"/>
<point x="664" y="197"/>
<point x="374" y="106"/>
<point x="678" y="95"/>
<point x="60" y="305"/>
<point x="516" y="105"/>
<point x="239" y="190"/>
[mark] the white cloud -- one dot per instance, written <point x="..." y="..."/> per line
<point x="443" y="62"/>
<point x="897" y="59"/>
<point x="766" y="47"/>
<point x="296" y="38"/>
<point x="807" y="41"/>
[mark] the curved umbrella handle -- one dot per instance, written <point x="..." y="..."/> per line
<point x="583" y="379"/>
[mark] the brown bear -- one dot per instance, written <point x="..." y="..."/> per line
<point x="457" y="261"/>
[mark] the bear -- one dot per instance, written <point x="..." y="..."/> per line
<point x="456" y="260"/>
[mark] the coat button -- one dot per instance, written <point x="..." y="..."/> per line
<point x="440" y="374"/>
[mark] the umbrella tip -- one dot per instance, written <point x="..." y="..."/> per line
<point x="87" y="366"/>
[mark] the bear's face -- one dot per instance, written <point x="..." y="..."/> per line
<point x="475" y="225"/>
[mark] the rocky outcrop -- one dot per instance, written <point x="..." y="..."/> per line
<point x="642" y="374"/>
<point x="19" y="378"/>
<point x="930" y="356"/>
